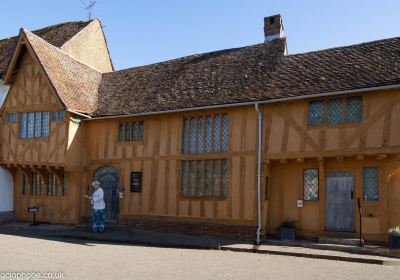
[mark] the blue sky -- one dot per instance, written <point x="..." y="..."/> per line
<point x="148" y="31"/>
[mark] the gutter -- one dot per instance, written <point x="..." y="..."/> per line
<point x="275" y="100"/>
<point x="79" y="114"/>
<point x="259" y="174"/>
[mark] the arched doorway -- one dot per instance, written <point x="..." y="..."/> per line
<point x="339" y="201"/>
<point x="109" y="179"/>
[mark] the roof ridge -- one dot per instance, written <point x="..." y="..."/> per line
<point x="345" y="46"/>
<point x="49" y="27"/>
<point x="197" y="55"/>
<point x="58" y="49"/>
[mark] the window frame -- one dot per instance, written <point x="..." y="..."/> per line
<point x="43" y="129"/>
<point x="208" y="145"/>
<point x="223" y="194"/>
<point x="326" y="112"/>
<point x="137" y="138"/>
<point x="318" y="184"/>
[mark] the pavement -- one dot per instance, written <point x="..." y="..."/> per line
<point x="79" y="259"/>
<point x="121" y="235"/>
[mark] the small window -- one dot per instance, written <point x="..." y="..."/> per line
<point x="52" y="185"/>
<point x="335" y="111"/>
<point x="24" y="184"/>
<point x="131" y="131"/>
<point x="58" y="116"/>
<point x="136" y="181"/>
<point x="205" y="178"/>
<point x="371" y="183"/>
<point x="353" y="109"/>
<point x="316" y="112"/>
<point x="37" y="184"/>
<point x="311" y="184"/>
<point x="12" y="117"/>
<point x="64" y="185"/>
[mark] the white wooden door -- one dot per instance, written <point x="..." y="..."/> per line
<point x="340" y="202"/>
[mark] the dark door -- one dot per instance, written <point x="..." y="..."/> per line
<point x="109" y="182"/>
<point x="340" y="201"/>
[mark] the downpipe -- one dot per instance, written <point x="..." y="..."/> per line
<point x="259" y="154"/>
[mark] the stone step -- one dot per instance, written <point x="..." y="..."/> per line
<point x="340" y="241"/>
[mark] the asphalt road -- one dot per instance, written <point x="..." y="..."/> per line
<point x="82" y="260"/>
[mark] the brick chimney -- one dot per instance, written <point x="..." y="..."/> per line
<point x="273" y="28"/>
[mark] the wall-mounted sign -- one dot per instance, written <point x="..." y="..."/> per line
<point x="300" y="203"/>
<point x="33" y="209"/>
<point x="136" y="181"/>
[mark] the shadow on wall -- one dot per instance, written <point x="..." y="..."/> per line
<point x="6" y="191"/>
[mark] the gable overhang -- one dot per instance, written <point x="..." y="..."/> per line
<point x="22" y="46"/>
<point x="252" y="103"/>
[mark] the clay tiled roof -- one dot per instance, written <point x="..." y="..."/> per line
<point x="220" y="77"/>
<point x="253" y="73"/>
<point x="56" y="35"/>
<point x="75" y="83"/>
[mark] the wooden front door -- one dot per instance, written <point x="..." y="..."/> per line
<point x="109" y="182"/>
<point x="340" y="202"/>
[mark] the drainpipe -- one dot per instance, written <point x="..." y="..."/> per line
<point x="259" y="153"/>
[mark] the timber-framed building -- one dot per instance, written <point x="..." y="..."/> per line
<point x="227" y="143"/>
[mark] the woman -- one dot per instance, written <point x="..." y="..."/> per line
<point x="98" y="206"/>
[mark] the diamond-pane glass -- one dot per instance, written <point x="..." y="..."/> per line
<point x="216" y="177"/>
<point x="127" y="131"/>
<point x="371" y="183"/>
<point x="185" y="136"/>
<point x="217" y="128"/>
<point x="24" y="184"/>
<point x="316" y="112"/>
<point x="192" y="178"/>
<point x="184" y="178"/>
<point x="311" y="184"/>
<point x="134" y="131"/>
<point x="31" y="121"/>
<point x="64" y="185"/>
<point x="121" y="132"/>
<point x="22" y="125"/>
<point x="199" y="178"/>
<point x="141" y="131"/>
<point x="207" y="189"/>
<point x="200" y="135"/>
<point x="224" y="177"/>
<point x="225" y="126"/>
<point x="192" y="135"/>
<point x="208" y="134"/>
<point x="45" y="124"/>
<point x="353" y="109"/>
<point x="38" y="124"/>
<point x="335" y="111"/>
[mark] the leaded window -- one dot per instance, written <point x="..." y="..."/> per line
<point x="205" y="178"/>
<point x="58" y="115"/>
<point x="311" y="184"/>
<point x="64" y="186"/>
<point x="371" y="183"/>
<point x="34" y="125"/>
<point x="353" y="109"/>
<point x="12" y="117"/>
<point x="52" y="185"/>
<point x="205" y="134"/>
<point x="37" y="184"/>
<point x="24" y="184"/>
<point x="130" y="131"/>
<point x="335" y="111"/>
<point x="316" y="113"/>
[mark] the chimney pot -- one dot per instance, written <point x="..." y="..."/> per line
<point x="273" y="28"/>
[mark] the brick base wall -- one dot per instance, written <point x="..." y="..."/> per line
<point x="198" y="228"/>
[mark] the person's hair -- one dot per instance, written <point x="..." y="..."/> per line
<point x="96" y="183"/>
